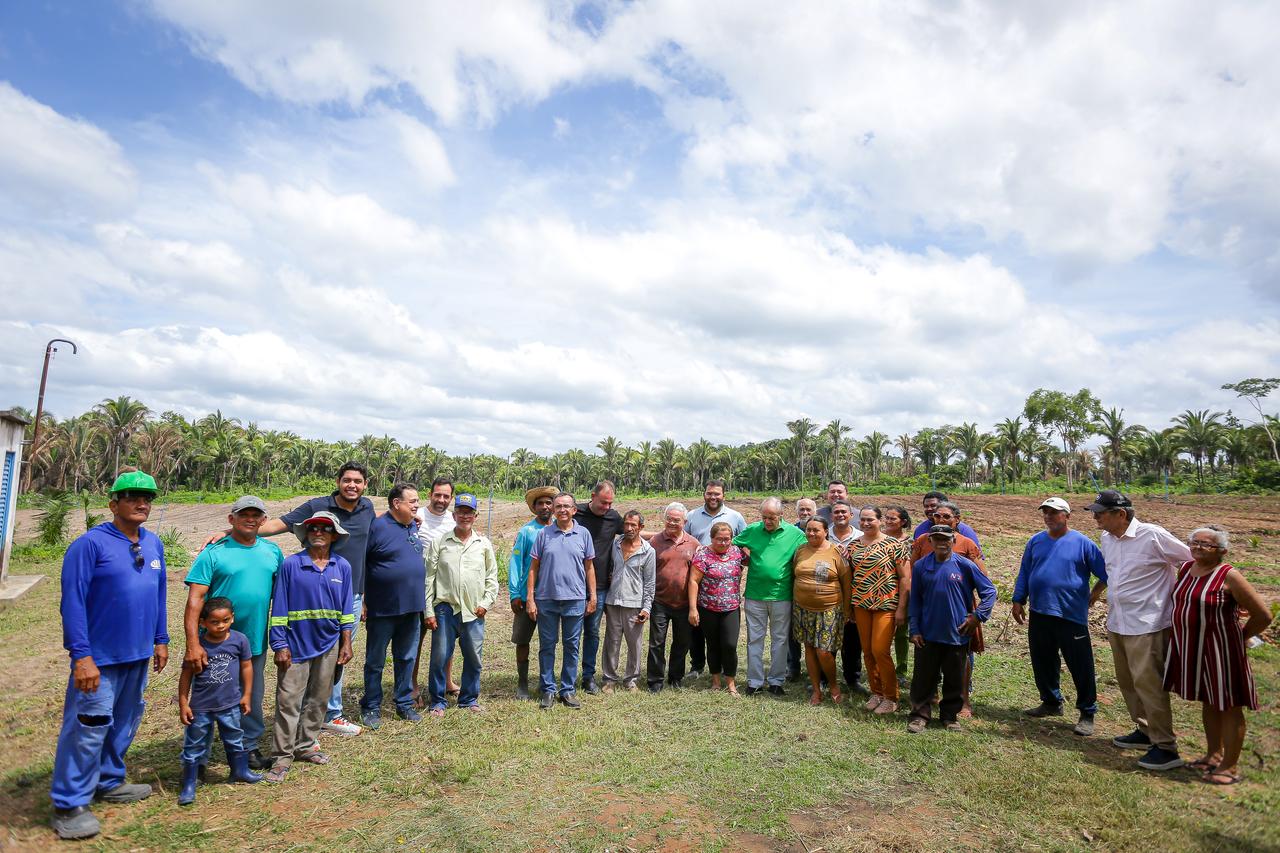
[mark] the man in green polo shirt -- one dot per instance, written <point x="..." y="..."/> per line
<point x="767" y="598"/>
<point x="242" y="567"/>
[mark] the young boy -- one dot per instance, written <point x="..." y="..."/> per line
<point x="220" y="692"/>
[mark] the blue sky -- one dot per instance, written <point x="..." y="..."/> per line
<point x="534" y="225"/>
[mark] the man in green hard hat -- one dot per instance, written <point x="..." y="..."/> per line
<point x="113" y="622"/>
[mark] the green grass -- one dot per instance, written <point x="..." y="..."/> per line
<point x="680" y="770"/>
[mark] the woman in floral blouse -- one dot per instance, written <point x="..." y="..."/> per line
<point x="715" y="599"/>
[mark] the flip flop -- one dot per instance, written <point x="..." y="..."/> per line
<point x="1201" y="766"/>
<point x="314" y="757"/>
<point x="275" y="774"/>
<point x="1213" y="777"/>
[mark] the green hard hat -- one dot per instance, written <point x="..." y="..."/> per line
<point x="134" y="481"/>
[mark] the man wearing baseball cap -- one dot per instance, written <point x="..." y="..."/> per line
<point x="1054" y="579"/>
<point x="462" y="585"/>
<point x="240" y="566"/>
<point x="113" y="621"/>
<point x="522" y="627"/>
<point x="1142" y="563"/>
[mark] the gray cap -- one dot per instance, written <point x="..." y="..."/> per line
<point x="248" y="502"/>
<point x="941" y="530"/>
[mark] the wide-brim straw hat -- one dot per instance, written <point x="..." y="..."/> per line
<point x="300" y="529"/>
<point x="541" y="492"/>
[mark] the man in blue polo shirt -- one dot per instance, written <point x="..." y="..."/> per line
<point x="941" y="622"/>
<point x="394" y="601"/>
<point x="113" y="621"/>
<point x="562" y="587"/>
<point x="1054" y="580"/>
<point x="241" y="567"/>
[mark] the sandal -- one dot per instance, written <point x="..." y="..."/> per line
<point x="275" y="774"/>
<point x="1202" y="766"/>
<point x="1214" y="777"/>
<point x="314" y="757"/>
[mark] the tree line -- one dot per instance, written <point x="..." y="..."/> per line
<point x="1047" y="441"/>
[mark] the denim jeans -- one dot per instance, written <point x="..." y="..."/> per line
<point x="591" y="635"/>
<point x="401" y="633"/>
<point x="469" y="636"/>
<point x="251" y="722"/>
<point x="559" y="621"/>
<point x="335" y="698"/>
<point x="1047" y="636"/>
<point x="195" y="744"/>
<point x="97" y="729"/>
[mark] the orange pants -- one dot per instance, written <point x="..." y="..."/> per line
<point x="875" y="630"/>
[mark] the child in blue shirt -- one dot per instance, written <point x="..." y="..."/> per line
<point x="218" y="693"/>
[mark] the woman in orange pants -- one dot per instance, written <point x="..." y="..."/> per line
<point x="881" y="567"/>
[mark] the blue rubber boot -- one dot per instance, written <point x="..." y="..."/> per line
<point x="187" y="790"/>
<point x="238" y="761"/>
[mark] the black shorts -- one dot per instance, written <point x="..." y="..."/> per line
<point x="522" y="628"/>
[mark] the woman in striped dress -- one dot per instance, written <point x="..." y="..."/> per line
<point x="881" y="567"/>
<point x="1206" y="662"/>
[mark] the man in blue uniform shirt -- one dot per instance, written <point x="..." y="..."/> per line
<point x="113" y="621"/>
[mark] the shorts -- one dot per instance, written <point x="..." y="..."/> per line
<point x="522" y="628"/>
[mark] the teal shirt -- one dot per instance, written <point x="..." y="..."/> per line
<point x="244" y="574"/>
<point x="769" y="575"/>
<point x="521" y="556"/>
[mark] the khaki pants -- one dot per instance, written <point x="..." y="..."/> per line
<point x="302" y="696"/>
<point x="1139" y="662"/>
<point x="621" y="622"/>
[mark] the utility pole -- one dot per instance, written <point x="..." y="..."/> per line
<point x="49" y="350"/>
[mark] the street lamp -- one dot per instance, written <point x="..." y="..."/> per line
<point x="49" y="350"/>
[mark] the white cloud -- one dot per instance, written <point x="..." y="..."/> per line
<point x="54" y="164"/>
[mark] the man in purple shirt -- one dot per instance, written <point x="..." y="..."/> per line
<point x="562" y="589"/>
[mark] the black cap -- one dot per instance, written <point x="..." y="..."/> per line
<point x="942" y="530"/>
<point x="1109" y="499"/>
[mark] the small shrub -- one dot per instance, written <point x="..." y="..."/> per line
<point x="175" y="552"/>
<point x="53" y="509"/>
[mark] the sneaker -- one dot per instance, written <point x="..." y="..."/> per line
<point x="691" y="678"/>
<point x="655" y="688"/>
<point x="75" y="823"/>
<point x="126" y="793"/>
<point x="1134" y="740"/>
<point x="874" y="702"/>
<point x="1084" y="727"/>
<point x="1160" y="759"/>
<point x="570" y="700"/>
<point x="371" y="720"/>
<point x="257" y="761"/>
<point x="917" y="725"/>
<point x="752" y="691"/>
<point x="888" y="706"/>
<point x="776" y="690"/>
<point x="341" y="726"/>
<point x="409" y="715"/>
<point x="1044" y="709"/>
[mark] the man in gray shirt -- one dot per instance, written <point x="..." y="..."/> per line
<point x="629" y="601"/>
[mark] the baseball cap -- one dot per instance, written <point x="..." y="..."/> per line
<point x="134" y="481"/>
<point x="248" y="502"/>
<point x="467" y="501"/>
<point x="1056" y="503"/>
<point x="942" y="530"/>
<point x="1109" y="499"/>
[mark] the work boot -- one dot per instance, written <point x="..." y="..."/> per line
<point x="126" y="793"/>
<point x="522" y="672"/>
<point x="75" y="823"/>
<point x="187" y="789"/>
<point x="238" y="761"/>
<point x="1044" y="709"/>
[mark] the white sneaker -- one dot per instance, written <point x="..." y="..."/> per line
<point x="874" y="702"/>
<point x="341" y="726"/>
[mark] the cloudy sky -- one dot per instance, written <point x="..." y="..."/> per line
<point x="503" y="224"/>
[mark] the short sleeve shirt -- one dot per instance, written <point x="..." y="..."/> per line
<point x="245" y="574"/>
<point x="769" y="572"/>
<point x="874" y="568"/>
<point x="817" y="577"/>
<point x="699" y="522"/>
<point x="674" y="558"/>
<point x="217" y="687"/>
<point x="356" y="522"/>
<point x="721" y="578"/>
<point x="562" y="556"/>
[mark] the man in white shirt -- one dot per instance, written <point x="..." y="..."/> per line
<point x="434" y="521"/>
<point x="1142" y="562"/>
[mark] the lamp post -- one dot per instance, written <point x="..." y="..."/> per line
<point x="49" y="350"/>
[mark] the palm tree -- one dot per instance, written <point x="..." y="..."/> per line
<point x="1111" y="426"/>
<point x="802" y="429"/>
<point x="667" y="451"/>
<point x="907" y="447"/>
<point x="612" y="449"/>
<point x="968" y="440"/>
<point x="698" y="455"/>
<point x="641" y="463"/>
<point x="1009" y="438"/>
<point x="1200" y="434"/>
<point x="120" y="419"/>
<point x="835" y="432"/>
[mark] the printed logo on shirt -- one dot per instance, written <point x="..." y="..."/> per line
<point x="821" y="571"/>
<point x="336" y="580"/>
<point x="956" y="576"/>
<point x="155" y="564"/>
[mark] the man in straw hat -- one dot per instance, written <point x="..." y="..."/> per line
<point x="522" y="627"/>
<point x="312" y="617"/>
<point x="113" y="621"/>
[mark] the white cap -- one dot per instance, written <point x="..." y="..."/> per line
<point x="1056" y="503"/>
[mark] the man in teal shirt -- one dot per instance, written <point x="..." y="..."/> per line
<point x="767" y="598"/>
<point x="522" y="627"/>
<point x="242" y="567"/>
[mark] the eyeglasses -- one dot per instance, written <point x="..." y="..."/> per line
<point x="136" y="550"/>
<point x="1205" y="546"/>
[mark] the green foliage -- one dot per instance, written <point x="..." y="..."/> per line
<point x="176" y="554"/>
<point x="35" y="552"/>
<point x="1262" y="475"/>
<point x="53" y="509"/>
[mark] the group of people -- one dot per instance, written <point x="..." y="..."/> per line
<point x="580" y="573"/>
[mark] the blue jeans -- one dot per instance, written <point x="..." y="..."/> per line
<point x="591" y="635"/>
<point x="401" y="632"/>
<point x="559" y="619"/>
<point x="335" y="698"/>
<point x="195" y="744"/>
<point x="97" y="729"/>
<point x="250" y="722"/>
<point x="469" y="636"/>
